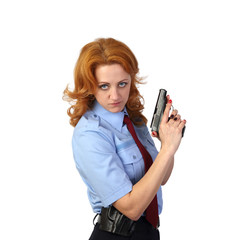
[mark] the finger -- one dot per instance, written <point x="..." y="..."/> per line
<point x="166" y="112"/>
<point x="177" y="117"/>
<point x="182" y="124"/>
<point x="173" y="114"/>
<point x="154" y="134"/>
<point x="177" y="120"/>
<point x="173" y="119"/>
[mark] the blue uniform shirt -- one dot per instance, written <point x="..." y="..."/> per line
<point x="107" y="157"/>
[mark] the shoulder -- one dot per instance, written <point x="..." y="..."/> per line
<point x="142" y="129"/>
<point x="144" y="133"/>
<point x="89" y="129"/>
<point x="88" y="121"/>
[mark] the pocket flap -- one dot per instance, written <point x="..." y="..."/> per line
<point x="130" y="154"/>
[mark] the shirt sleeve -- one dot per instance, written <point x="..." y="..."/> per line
<point x="99" y="166"/>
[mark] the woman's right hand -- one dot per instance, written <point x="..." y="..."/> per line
<point x="170" y="129"/>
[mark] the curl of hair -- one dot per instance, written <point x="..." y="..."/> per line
<point x="103" y="51"/>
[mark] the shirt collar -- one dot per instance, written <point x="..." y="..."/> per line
<point x="115" y="119"/>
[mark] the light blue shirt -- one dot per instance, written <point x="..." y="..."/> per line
<point x="107" y="157"/>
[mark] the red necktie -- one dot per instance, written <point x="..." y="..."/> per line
<point x="152" y="209"/>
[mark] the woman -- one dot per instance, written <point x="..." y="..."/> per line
<point x="112" y="147"/>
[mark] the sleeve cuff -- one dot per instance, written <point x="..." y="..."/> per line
<point x="125" y="189"/>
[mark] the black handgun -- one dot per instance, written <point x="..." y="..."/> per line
<point x="159" y="110"/>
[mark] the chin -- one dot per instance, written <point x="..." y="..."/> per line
<point x="116" y="109"/>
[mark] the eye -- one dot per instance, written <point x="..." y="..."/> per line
<point x="103" y="86"/>
<point x="122" y="84"/>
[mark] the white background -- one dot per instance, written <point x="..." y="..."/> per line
<point x="191" y="48"/>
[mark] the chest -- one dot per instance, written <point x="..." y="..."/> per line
<point x="130" y="155"/>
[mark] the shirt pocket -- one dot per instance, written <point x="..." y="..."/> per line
<point x="132" y="162"/>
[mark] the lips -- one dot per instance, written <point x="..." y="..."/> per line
<point x="115" y="104"/>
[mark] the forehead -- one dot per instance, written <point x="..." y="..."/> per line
<point x="111" y="72"/>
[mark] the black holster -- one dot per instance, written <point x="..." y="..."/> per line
<point x="111" y="220"/>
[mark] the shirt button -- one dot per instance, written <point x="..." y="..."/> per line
<point x="134" y="157"/>
<point x="95" y="115"/>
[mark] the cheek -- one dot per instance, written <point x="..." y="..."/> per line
<point x="96" y="95"/>
<point x="99" y="96"/>
<point x="128" y="92"/>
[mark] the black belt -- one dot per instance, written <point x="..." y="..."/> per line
<point x="111" y="220"/>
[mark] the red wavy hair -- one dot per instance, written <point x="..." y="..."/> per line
<point x="103" y="51"/>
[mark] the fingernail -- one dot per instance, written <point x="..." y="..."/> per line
<point x="153" y="133"/>
<point x="172" y="116"/>
<point x="170" y="101"/>
<point x="175" y="119"/>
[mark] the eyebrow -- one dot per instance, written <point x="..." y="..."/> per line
<point x="125" y="79"/>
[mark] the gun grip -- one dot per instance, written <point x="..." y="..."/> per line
<point x="183" y="130"/>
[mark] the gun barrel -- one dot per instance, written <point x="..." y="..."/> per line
<point x="159" y="110"/>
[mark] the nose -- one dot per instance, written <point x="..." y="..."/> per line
<point x="114" y="94"/>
